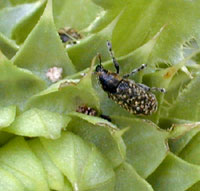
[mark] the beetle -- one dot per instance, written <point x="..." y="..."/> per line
<point x="69" y="35"/>
<point x="135" y="97"/>
<point x="86" y="110"/>
<point x="91" y="111"/>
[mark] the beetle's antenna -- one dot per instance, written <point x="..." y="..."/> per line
<point x="99" y="57"/>
<point x="99" y="66"/>
<point x="109" y="45"/>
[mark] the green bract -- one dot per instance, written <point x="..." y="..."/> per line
<point x="47" y="144"/>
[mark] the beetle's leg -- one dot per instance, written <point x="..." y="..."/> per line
<point x="147" y="88"/>
<point x="142" y="67"/>
<point x="162" y="90"/>
<point x="116" y="64"/>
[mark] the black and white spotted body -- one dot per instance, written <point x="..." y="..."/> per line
<point x="134" y="97"/>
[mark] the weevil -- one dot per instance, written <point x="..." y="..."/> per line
<point x="69" y="35"/>
<point x="91" y="111"/>
<point x="135" y="97"/>
<point x="87" y="110"/>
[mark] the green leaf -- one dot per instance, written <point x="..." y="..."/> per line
<point x="127" y="179"/>
<point x="5" y="3"/>
<point x="2" y="57"/>
<point x="195" y="187"/>
<point x="82" y="163"/>
<point x="17" y="85"/>
<point x="7" y="46"/>
<point x="66" y="96"/>
<point x="9" y="182"/>
<point x="77" y="14"/>
<point x="54" y="176"/>
<point x="17" y="158"/>
<point x="81" y="54"/>
<point x="160" y="79"/>
<point x="181" y="135"/>
<point x="95" y="121"/>
<point x="105" y="135"/>
<point x="35" y="122"/>
<point x="187" y="99"/>
<point x="165" y="78"/>
<point x="174" y="174"/>
<point x="25" y="25"/>
<point x="102" y="20"/>
<point x="43" y="48"/>
<point x="177" y="84"/>
<point x="7" y="116"/>
<point x="127" y="63"/>
<point x="146" y="145"/>
<point x="5" y="137"/>
<point x="109" y="4"/>
<point x="67" y="186"/>
<point x="14" y="2"/>
<point x="137" y="25"/>
<point x="191" y="152"/>
<point x="10" y="17"/>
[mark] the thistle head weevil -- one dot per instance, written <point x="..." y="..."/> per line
<point x="134" y="97"/>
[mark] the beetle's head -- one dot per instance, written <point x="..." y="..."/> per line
<point x="99" y="68"/>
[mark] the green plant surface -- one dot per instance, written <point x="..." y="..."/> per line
<point x="142" y="19"/>
<point x="17" y="158"/>
<point x="22" y="84"/>
<point x="7" y="116"/>
<point x="86" y="53"/>
<point x="25" y="25"/>
<point x="191" y="152"/>
<point x="14" y="3"/>
<point x="35" y="122"/>
<point x="97" y="40"/>
<point x="127" y="179"/>
<point x="46" y="144"/>
<point x="181" y="135"/>
<point x="66" y="95"/>
<point x="106" y="136"/>
<point x="184" y="102"/>
<point x="95" y="121"/>
<point x="9" y="182"/>
<point x="8" y="47"/>
<point x="4" y="4"/>
<point x="46" y="49"/>
<point x="86" y="168"/>
<point x="5" y="137"/>
<point x="67" y="185"/>
<point x="10" y="17"/>
<point x="54" y="176"/>
<point x="146" y="137"/>
<point x="174" y="174"/>
<point x="178" y="82"/>
<point x="86" y="12"/>
<point x="195" y="187"/>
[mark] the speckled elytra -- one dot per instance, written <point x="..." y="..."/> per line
<point x="134" y="97"/>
